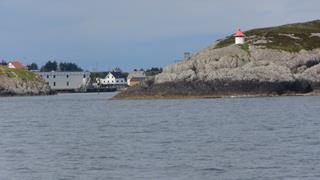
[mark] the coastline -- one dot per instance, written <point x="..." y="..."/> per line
<point x="172" y="97"/>
<point x="51" y="93"/>
<point x="217" y="89"/>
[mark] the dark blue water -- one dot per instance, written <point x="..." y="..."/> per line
<point x="88" y="137"/>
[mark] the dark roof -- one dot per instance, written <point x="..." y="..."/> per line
<point x="118" y="75"/>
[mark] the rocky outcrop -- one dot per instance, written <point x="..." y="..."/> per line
<point x="234" y="71"/>
<point x="11" y="86"/>
<point x="234" y="63"/>
<point x="255" y="68"/>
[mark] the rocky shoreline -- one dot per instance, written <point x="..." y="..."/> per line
<point x="146" y="97"/>
<point x="217" y="89"/>
<point x="22" y="83"/>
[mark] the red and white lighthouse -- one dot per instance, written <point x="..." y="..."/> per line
<point x="239" y="37"/>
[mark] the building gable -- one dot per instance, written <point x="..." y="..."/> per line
<point x="15" y="65"/>
<point x="118" y="75"/>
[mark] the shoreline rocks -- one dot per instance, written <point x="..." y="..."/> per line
<point x="233" y="71"/>
<point x="216" y="89"/>
<point x="23" y="87"/>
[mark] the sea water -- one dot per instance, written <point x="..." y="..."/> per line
<point x="89" y="137"/>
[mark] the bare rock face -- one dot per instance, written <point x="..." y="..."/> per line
<point x="311" y="75"/>
<point x="19" y="86"/>
<point x="234" y="70"/>
<point x="232" y="63"/>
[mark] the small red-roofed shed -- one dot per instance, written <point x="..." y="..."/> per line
<point x="16" y="65"/>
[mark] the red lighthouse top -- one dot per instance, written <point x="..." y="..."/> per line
<point x="239" y="33"/>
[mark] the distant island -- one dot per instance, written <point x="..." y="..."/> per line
<point x="54" y="77"/>
<point x="282" y="60"/>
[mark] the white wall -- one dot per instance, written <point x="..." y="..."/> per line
<point x="239" y="40"/>
<point x="65" y="80"/>
<point x="11" y="66"/>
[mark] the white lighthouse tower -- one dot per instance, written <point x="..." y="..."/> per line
<point x="239" y="37"/>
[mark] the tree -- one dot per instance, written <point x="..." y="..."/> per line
<point x="49" y="66"/>
<point x="32" y="66"/>
<point x="63" y="66"/>
<point x="3" y="63"/>
<point x="153" y="71"/>
<point x="116" y="69"/>
<point x="68" y="66"/>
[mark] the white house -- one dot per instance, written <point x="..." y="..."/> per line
<point x="239" y="37"/>
<point x="66" y="81"/>
<point x="113" y="78"/>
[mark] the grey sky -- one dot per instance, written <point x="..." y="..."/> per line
<point x="132" y="33"/>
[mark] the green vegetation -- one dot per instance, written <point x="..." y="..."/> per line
<point x="49" y="66"/>
<point x="153" y="71"/>
<point x="229" y="40"/>
<point x="291" y="37"/>
<point x="3" y="63"/>
<point x="17" y="73"/>
<point x="62" y="66"/>
<point x="245" y="47"/>
<point x="68" y="66"/>
<point x="32" y="66"/>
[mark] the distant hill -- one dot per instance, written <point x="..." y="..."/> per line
<point x="282" y="60"/>
<point x="290" y="37"/>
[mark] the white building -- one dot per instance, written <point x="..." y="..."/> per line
<point x="239" y="37"/>
<point x="66" y="81"/>
<point x="113" y="78"/>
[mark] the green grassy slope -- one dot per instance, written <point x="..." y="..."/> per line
<point x="17" y="73"/>
<point x="291" y="37"/>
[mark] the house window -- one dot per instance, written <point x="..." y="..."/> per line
<point x="48" y="76"/>
<point x="117" y="80"/>
<point x="54" y="76"/>
<point x="84" y="76"/>
<point x="67" y="75"/>
<point x="67" y="83"/>
<point x="54" y="83"/>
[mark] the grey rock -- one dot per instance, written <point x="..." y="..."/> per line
<point x="232" y="63"/>
<point x="18" y="86"/>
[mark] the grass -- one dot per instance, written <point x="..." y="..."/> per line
<point x="17" y="73"/>
<point x="277" y="39"/>
<point x="245" y="47"/>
